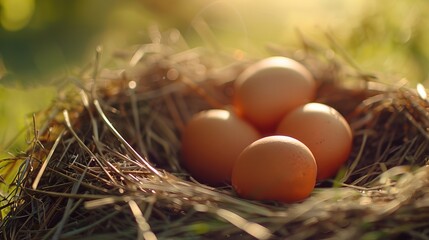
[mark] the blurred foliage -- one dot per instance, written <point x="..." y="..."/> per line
<point x="392" y="37"/>
<point x="16" y="106"/>
<point x="40" y="37"/>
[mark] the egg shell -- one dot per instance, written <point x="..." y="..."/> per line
<point x="275" y="168"/>
<point x="322" y="129"/>
<point x="270" y="88"/>
<point x="211" y="143"/>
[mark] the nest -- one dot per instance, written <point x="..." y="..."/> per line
<point x="104" y="162"/>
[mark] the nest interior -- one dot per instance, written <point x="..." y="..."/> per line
<point x="105" y="159"/>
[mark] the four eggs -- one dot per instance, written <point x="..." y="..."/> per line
<point x="276" y="143"/>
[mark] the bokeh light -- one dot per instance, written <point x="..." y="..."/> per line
<point x="15" y="14"/>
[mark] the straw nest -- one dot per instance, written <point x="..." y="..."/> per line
<point x="104" y="162"/>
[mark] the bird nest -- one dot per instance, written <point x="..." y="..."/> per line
<point x="104" y="161"/>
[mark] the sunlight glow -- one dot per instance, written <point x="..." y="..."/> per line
<point x="15" y="14"/>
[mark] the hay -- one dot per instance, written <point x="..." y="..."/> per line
<point x="104" y="161"/>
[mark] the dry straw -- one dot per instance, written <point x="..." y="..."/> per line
<point x="104" y="161"/>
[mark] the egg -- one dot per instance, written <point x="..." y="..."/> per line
<point x="267" y="90"/>
<point x="324" y="131"/>
<point x="278" y="168"/>
<point x="211" y="142"/>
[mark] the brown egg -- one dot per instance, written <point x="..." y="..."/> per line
<point x="322" y="129"/>
<point x="211" y="143"/>
<point x="276" y="168"/>
<point x="270" y="88"/>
